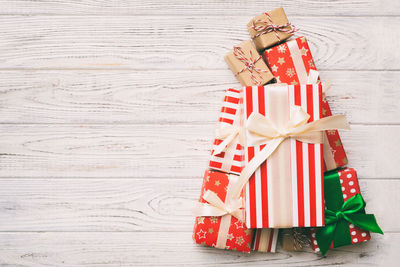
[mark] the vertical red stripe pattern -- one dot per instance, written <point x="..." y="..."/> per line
<point x="306" y="164"/>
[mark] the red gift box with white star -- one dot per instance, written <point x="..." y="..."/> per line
<point x="207" y="229"/>
<point x="291" y="63"/>
<point x="230" y="160"/>
<point x="350" y="187"/>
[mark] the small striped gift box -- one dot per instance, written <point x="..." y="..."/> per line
<point x="230" y="160"/>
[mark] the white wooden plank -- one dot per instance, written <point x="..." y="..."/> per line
<point x="135" y="204"/>
<point x="173" y="249"/>
<point x="164" y="150"/>
<point x="207" y="7"/>
<point x="57" y="96"/>
<point x="184" y="42"/>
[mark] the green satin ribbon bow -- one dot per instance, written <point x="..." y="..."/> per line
<point x="336" y="228"/>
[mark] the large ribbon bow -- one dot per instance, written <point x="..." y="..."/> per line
<point x="336" y="224"/>
<point x="266" y="132"/>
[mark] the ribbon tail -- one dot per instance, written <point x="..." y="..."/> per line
<point x="204" y="209"/>
<point x="252" y="166"/>
<point x="364" y="221"/>
<point x="225" y="143"/>
<point x="325" y="236"/>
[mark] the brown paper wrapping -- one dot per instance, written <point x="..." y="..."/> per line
<point x="245" y="77"/>
<point x="266" y="40"/>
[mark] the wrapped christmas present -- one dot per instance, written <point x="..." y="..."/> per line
<point x="247" y="65"/>
<point x="283" y="153"/>
<point x="270" y="28"/>
<point x="346" y="222"/>
<point x="227" y="153"/>
<point x="219" y="222"/>
<point x="292" y="63"/>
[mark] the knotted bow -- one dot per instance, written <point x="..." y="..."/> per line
<point x="249" y="64"/>
<point x="266" y="132"/>
<point x="216" y="207"/>
<point x="263" y="27"/>
<point x="228" y="134"/>
<point x="336" y="228"/>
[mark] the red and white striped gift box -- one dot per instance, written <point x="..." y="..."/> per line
<point x="264" y="240"/>
<point x="231" y="159"/>
<point x="287" y="189"/>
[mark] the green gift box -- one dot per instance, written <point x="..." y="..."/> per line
<point x="346" y="222"/>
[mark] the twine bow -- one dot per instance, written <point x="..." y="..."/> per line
<point x="271" y="135"/>
<point x="266" y="26"/>
<point x="336" y="228"/>
<point x="249" y="64"/>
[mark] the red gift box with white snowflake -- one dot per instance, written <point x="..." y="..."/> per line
<point x="350" y="187"/>
<point x="229" y="157"/>
<point x="291" y="63"/>
<point x="225" y="232"/>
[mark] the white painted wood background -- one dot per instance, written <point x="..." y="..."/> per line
<point x="107" y="111"/>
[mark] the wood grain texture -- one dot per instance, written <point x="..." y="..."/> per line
<point x="153" y="249"/>
<point x="160" y="150"/>
<point x="83" y="96"/>
<point x="207" y="7"/>
<point x="184" y="42"/>
<point x="107" y="111"/>
<point x="149" y="205"/>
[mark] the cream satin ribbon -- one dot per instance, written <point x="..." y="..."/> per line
<point x="272" y="136"/>
<point x="228" y="134"/>
<point x="329" y="158"/>
<point x="313" y="78"/>
<point x="217" y="207"/>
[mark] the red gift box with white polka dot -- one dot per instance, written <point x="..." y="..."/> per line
<point x="206" y="229"/>
<point x="350" y="187"/>
<point x="290" y="63"/>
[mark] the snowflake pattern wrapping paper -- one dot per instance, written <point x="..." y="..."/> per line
<point x="207" y="229"/>
<point x="291" y="63"/>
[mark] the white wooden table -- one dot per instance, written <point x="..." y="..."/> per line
<point x="108" y="108"/>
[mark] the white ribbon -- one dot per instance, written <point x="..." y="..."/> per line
<point x="228" y="134"/>
<point x="217" y="207"/>
<point x="271" y="135"/>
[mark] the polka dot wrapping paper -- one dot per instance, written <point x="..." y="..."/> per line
<point x="350" y="187"/>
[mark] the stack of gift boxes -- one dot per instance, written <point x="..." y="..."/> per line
<point x="277" y="163"/>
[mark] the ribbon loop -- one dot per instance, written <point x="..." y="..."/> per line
<point x="352" y="211"/>
<point x="266" y="26"/>
<point x="266" y="132"/>
<point x="228" y="134"/>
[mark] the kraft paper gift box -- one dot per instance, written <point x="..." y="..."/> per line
<point x="341" y="188"/>
<point x="226" y="231"/>
<point x="284" y="170"/>
<point x="292" y="63"/>
<point x="247" y="65"/>
<point x="295" y="239"/>
<point x="270" y="28"/>
<point x="265" y="239"/>
<point x="227" y="153"/>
